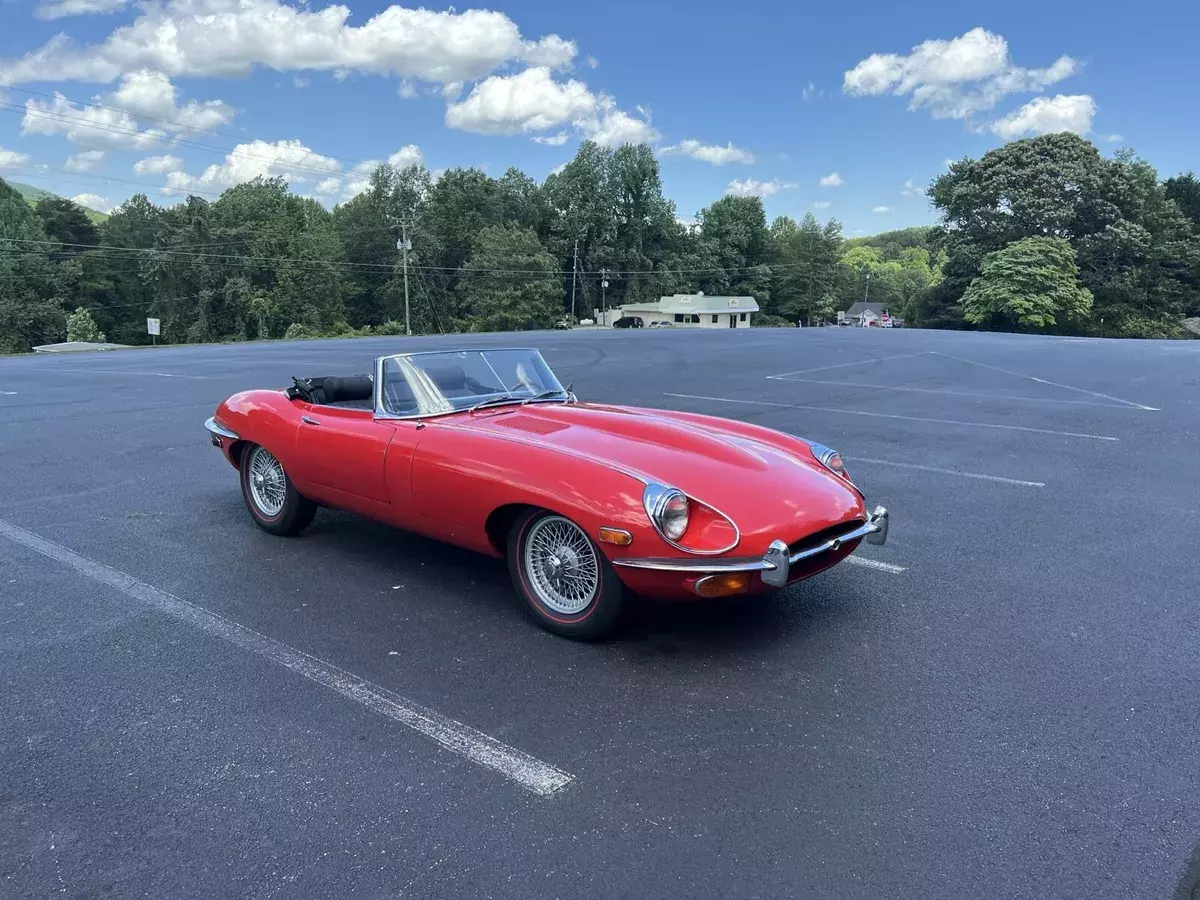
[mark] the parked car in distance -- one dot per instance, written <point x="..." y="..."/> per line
<point x="588" y="503"/>
<point x="628" y="322"/>
<point x="563" y="324"/>
<point x="661" y="324"/>
<point x="586" y="322"/>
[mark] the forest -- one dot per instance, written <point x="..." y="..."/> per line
<point x="1042" y="234"/>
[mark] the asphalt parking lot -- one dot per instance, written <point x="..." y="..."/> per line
<point x="1000" y="702"/>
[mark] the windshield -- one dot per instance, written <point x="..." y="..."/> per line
<point x="427" y="384"/>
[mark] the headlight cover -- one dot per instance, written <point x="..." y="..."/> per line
<point x="668" y="509"/>
<point x="829" y="458"/>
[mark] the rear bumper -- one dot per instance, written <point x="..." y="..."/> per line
<point x="775" y="567"/>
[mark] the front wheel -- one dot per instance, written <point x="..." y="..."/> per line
<point x="274" y="503"/>
<point x="566" y="582"/>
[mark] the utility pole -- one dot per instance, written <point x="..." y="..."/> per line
<point x="574" y="269"/>
<point x="867" y="291"/>
<point x="404" y="245"/>
<point x="604" y="294"/>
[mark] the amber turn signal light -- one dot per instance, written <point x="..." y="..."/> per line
<point x="723" y="585"/>
<point x="616" y="536"/>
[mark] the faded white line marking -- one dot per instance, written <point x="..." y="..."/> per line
<point x="9" y="393"/>
<point x="959" y="472"/>
<point x="89" y="370"/>
<point x="527" y="771"/>
<point x="874" y="415"/>
<point x="971" y="362"/>
<point x="874" y="564"/>
<point x="915" y="390"/>
<point x="857" y="362"/>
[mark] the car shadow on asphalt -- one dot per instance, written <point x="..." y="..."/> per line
<point x="647" y="627"/>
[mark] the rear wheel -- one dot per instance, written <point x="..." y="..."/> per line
<point x="274" y="503"/>
<point x="566" y="582"/>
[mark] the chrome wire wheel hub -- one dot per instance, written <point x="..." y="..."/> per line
<point x="268" y="483"/>
<point x="561" y="566"/>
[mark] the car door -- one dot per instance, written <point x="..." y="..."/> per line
<point x="344" y="451"/>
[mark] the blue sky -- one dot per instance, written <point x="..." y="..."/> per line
<point x="766" y="97"/>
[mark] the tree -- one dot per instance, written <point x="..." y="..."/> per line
<point x="1133" y="245"/>
<point x="67" y="222"/>
<point x="1032" y="283"/>
<point x="1185" y="191"/>
<point x="30" y="312"/>
<point x="82" y="327"/>
<point x="510" y="282"/>
<point x="806" y="268"/>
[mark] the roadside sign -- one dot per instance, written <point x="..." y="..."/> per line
<point x="152" y="326"/>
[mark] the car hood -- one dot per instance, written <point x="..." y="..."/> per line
<point x="769" y="492"/>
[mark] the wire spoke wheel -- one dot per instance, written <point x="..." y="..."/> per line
<point x="268" y="482"/>
<point x="560" y="563"/>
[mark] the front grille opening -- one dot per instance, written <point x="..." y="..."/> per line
<point x="820" y="537"/>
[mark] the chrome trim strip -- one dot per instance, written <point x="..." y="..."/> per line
<point x="775" y="563"/>
<point x="216" y="428"/>
<point x="658" y="499"/>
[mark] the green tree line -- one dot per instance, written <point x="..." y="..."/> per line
<point x="1043" y="234"/>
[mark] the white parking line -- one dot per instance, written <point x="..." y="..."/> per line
<point x="893" y="387"/>
<point x="527" y="771"/>
<point x="959" y="472"/>
<point x="859" y="412"/>
<point x="9" y="393"/>
<point x="971" y="362"/>
<point x="875" y="564"/>
<point x="857" y="362"/>
<point x="89" y="370"/>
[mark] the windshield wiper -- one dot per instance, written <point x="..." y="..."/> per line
<point x="544" y="395"/>
<point x="492" y="401"/>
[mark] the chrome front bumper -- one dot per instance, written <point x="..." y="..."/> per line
<point x="218" y="431"/>
<point x="776" y="563"/>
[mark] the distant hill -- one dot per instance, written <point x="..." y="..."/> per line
<point x="33" y="194"/>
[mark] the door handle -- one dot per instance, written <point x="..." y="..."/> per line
<point x="306" y="420"/>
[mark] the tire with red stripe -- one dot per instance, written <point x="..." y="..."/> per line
<point x="564" y="580"/>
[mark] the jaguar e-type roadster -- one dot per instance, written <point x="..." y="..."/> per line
<point x="587" y="502"/>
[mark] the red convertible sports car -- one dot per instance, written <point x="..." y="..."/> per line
<point x="587" y="502"/>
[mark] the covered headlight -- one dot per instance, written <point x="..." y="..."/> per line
<point x="668" y="508"/>
<point x="830" y="459"/>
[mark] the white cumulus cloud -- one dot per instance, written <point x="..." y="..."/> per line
<point x="526" y="102"/>
<point x="881" y="209"/>
<point x="233" y="37"/>
<point x="713" y="154"/>
<point x="289" y="159"/>
<point x="912" y="189"/>
<point x="11" y="159"/>
<point x="86" y="161"/>
<point x="821" y="204"/>
<point x="532" y="101"/>
<point x="93" y="201"/>
<point x="752" y="187"/>
<point x="1114" y="138"/>
<point x="158" y="165"/>
<point x="1046" y="115"/>
<point x="60" y="9"/>
<point x="551" y="140"/>
<point x="151" y="95"/>
<point x="111" y="121"/>
<point x="953" y="78"/>
<point x="833" y="179"/>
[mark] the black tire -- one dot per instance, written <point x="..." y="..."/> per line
<point x="593" y="620"/>
<point x="297" y="511"/>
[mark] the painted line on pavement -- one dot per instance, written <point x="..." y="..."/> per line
<point x="971" y="362"/>
<point x="857" y="362"/>
<point x="874" y="415"/>
<point x="89" y="370"/>
<point x="935" y="469"/>
<point x="916" y="390"/>
<point x="529" y="772"/>
<point x="875" y="564"/>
